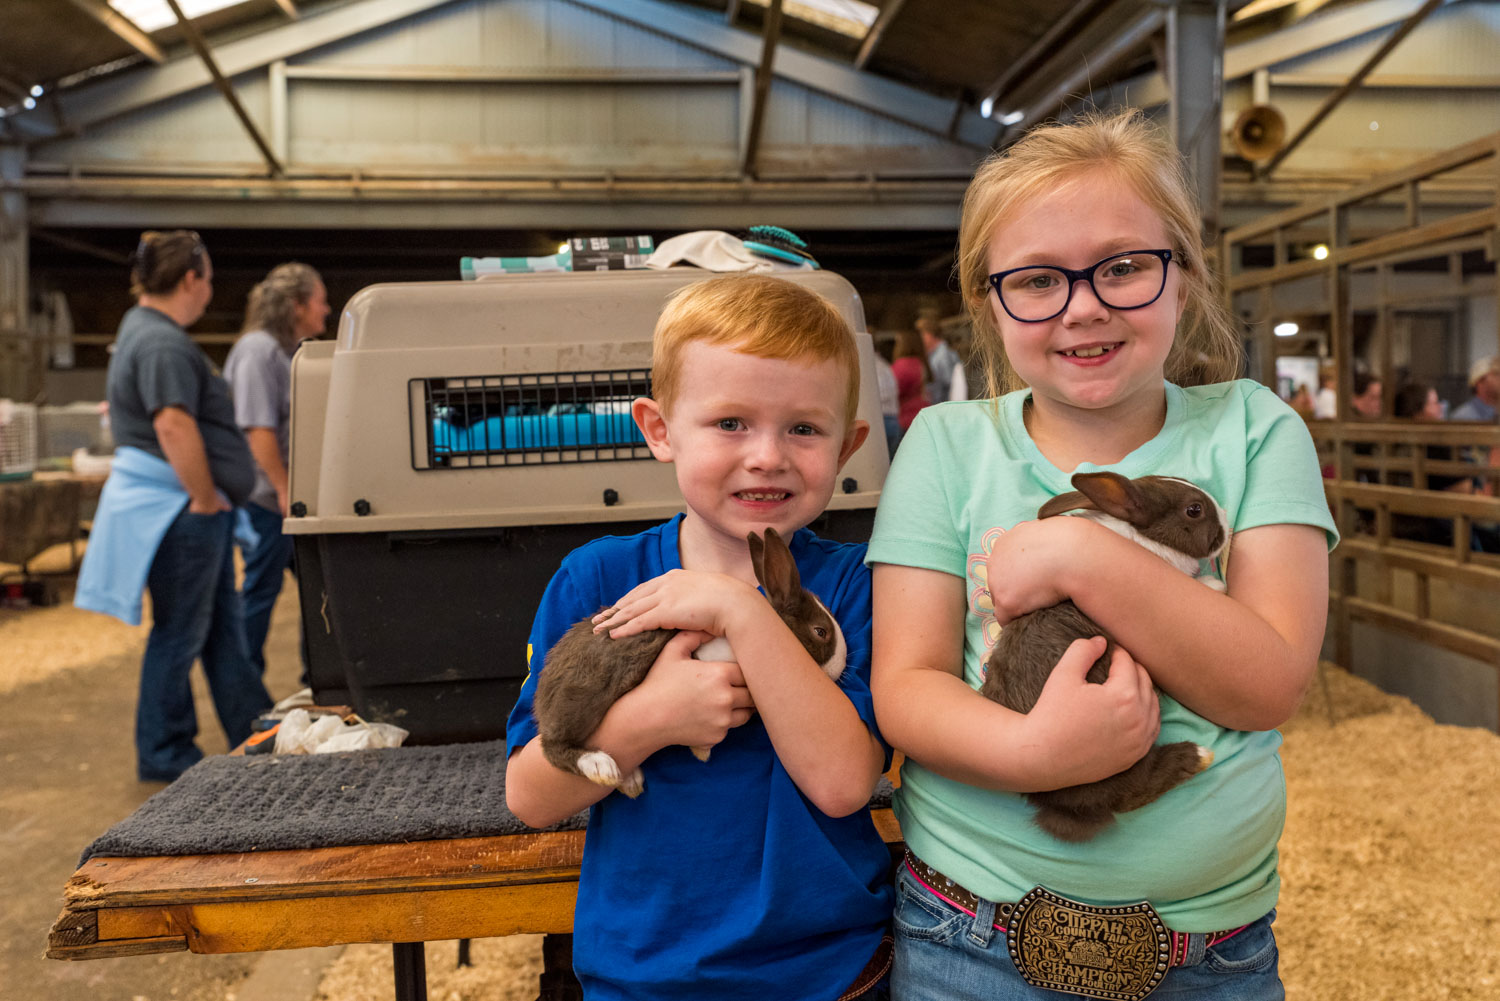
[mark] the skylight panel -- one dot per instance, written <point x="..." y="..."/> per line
<point x="153" y="15"/>
<point x="847" y="17"/>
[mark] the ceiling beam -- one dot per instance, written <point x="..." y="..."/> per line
<point x="1399" y="81"/>
<point x="877" y="32"/>
<point x="1318" y="32"/>
<point x="121" y="94"/>
<point x="731" y="11"/>
<point x="123" y="28"/>
<point x="1044" y="48"/>
<point x="1333" y="100"/>
<point x="195" y="41"/>
<point x="1104" y="58"/>
<point x="762" y="87"/>
<point x="9" y="86"/>
<point x="926" y="112"/>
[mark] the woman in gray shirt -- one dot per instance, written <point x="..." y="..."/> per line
<point x="287" y="307"/>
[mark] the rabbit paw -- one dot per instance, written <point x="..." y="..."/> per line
<point x="1205" y="757"/>
<point x="600" y="768"/>
<point x="632" y="784"/>
<point x="701" y="753"/>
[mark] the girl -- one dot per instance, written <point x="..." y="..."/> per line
<point x="1083" y="272"/>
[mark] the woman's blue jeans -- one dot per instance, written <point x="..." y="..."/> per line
<point x="945" y="954"/>
<point x="196" y="613"/>
<point x="265" y="570"/>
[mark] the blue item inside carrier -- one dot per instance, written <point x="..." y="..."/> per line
<point x="559" y="428"/>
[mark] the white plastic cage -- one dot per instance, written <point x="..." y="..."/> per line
<point x="63" y="430"/>
<point x="17" y="439"/>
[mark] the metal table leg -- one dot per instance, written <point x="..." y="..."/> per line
<point x="411" y="970"/>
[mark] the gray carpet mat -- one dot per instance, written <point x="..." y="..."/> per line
<point x="229" y="804"/>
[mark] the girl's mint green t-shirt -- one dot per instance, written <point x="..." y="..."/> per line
<point x="1205" y="853"/>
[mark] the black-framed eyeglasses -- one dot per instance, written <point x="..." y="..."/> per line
<point x="1129" y="280"/>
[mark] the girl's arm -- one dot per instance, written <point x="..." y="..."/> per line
<point x="1241" y="659"/>
<point x="1077" y="732"/>
<point x="824" y="745"/>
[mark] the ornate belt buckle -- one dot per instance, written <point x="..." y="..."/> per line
<point x="1113" y="953"/>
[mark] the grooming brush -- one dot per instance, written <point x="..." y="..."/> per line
<point x="778" y="244"/>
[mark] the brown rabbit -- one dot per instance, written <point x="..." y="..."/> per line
<point x="586" y="672"/>
<point x="1181" y="524"/>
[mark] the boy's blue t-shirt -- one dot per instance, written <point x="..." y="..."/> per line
<point x="721" y="880"/>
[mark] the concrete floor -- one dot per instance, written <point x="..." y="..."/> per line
<point x="67" y="772"/>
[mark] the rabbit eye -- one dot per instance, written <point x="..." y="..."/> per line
<point x="1194" y="511"/>
<point x="821" y="632"/>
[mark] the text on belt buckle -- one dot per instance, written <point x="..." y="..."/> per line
<point x="1114" y="953"/>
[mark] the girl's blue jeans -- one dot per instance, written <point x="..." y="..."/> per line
<point x="945" y="954"/>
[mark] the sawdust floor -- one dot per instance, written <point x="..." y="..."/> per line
<point x="1390" y="861"/>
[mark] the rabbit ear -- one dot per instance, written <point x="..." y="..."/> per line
<point x="1116" y="495"/>
<point x="757" y="553"/>
<point x="776" y="570"/>
<point x="1063" y="503"/>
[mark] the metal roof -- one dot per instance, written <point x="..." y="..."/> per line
<point x="953" y="49"/>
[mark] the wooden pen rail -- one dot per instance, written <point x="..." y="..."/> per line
<point x="1387" y="571"/>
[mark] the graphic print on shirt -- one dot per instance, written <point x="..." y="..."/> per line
<point x="981" y="604"/>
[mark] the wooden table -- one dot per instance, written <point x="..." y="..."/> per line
<point x="404" y="894"/>
<point x="43" y="511"/>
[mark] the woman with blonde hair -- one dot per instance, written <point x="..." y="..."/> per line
<point x="287" y="307"/>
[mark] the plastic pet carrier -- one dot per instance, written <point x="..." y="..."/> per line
<point x="453" y="444"/>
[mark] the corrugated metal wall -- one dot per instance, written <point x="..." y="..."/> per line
<point x="1460" y="40"/>
<point x="525" y="128"/>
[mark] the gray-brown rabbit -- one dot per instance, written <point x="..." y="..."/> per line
<point x="1181" y="524"/>
<point x="586" y="672"/>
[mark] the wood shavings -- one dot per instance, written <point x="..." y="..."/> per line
<point x="503" y="969"/>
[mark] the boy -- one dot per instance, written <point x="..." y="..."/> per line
<point x="759" y="873"/>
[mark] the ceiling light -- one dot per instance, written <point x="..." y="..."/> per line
<point x="29" y="103"/>
<point x="1012" y="117"/>
<point x="1320" y="252"/>
<point x="847" y="17"/>
<point x="36" y="90"/>
<point x="1287" y="329"/>
<point x="986" y="106"/>
<point x="153" y="15"/>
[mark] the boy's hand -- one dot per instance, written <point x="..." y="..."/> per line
<point x="1082" y="732"/>
<point x="691" y="702"/>
<point x="1025" y="567"/>
<point x="678" y="599"/>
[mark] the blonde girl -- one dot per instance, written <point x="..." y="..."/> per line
<point x="1105" y="347"/>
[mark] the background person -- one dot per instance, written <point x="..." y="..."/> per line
<point x="1367" y="391"/>
<point x="286" y="308"/>
<point x="164" y="519"/>
<point x="909" y="362"/>
<point x="1484" y="380"/>
<point x="890" y="398"/>
<point x="1326" y="402"/>
<point x="941" y="360"/>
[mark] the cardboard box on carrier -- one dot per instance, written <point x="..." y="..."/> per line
<point x="453" y="444"/>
